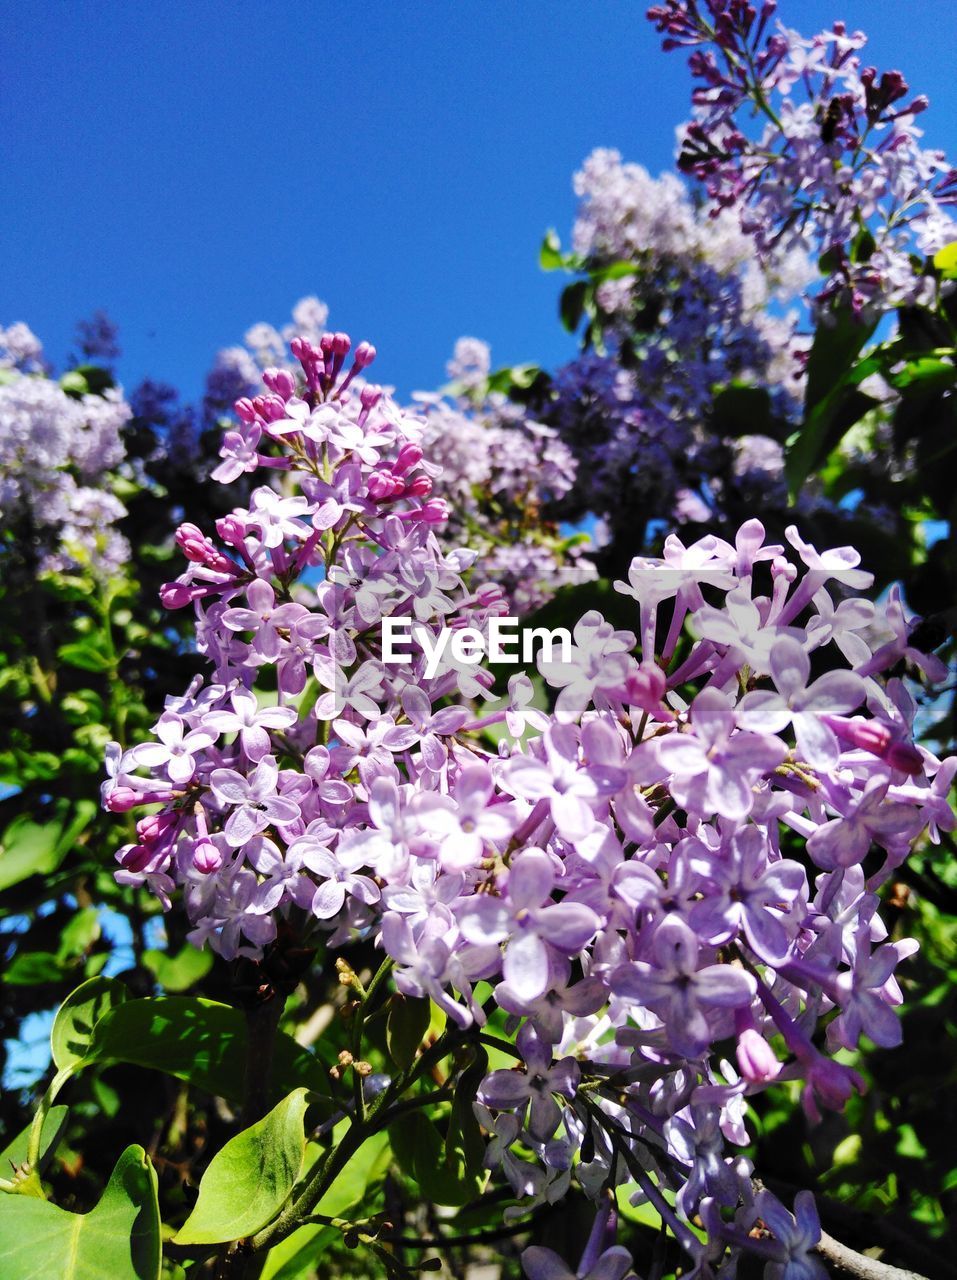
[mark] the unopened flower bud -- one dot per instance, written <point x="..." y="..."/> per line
<point x="383" y="486"/>
<point x="419" y="487"/>
<point x="192" y="542"/>
<point x="646" y="687"/>
<point x="364" y="354"/>
<point x="123" y="799"/>
<point x="756" y="1059"/>
<point x="206" y="857"/>
<point x="175" y="595"/>
<point x="135" y="857"/>
<point x="435" y="511"/>
<point x="281" y="382"/>
<point x="231" y="529"/>
<point x="409" y="456"/>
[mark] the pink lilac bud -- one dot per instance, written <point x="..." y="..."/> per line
<point x="231" y="530"/>
<point x="489" y="595"/>
<point x="135" y="857"/>
<point x="409" y="456"/>
<point x="435" y="511"/>
<point x="880" y="740"/>
<point x="175" y="595"/>
<point x="756" y="1059"/>
<point x="281" y="382"/>
<point x="370" y="396"/>
<point x="420" y="487"/>
<point x="365" y="353"/>
<point x="157" y="829"/>
<point x="270" y="408"/>
<point x="245" y="410"/>
<point x="829" y="1083"/>
<point x="123" y="799"/>
<point x="206" y="857"/>
<point x="304" y="351"/>
<point x="646" y="687"/>
<point x="193" y="543"/>
<point x="384" y="486"/>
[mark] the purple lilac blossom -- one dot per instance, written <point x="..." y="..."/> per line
<point x="687" y="851"/>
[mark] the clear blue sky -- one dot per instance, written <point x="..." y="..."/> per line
<point x="195" y="167"/>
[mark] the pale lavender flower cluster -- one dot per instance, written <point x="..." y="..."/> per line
<point x="836" y="167"/>
<point x="691" y="315"/>
<point x="56" y="455"/>
<point x="675" y="869"/>
<point x="502" y="473"/>
<point x="20" y="348"/>
<point x="500" y="470"/>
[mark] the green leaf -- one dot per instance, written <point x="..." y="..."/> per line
<point x="945" y="260"/>
<point x="80" y="934"/>
<point x="30" y="848"/>
<point x="119" y="1239"/>
<point x="822" y="432"/>
<point x="863" y="246"/>
<point x="74" y="383"/>
<point x="406" y="1025"/>
<point x="295" y="1257"/>
<point x="836" y="346"/>
<point x="364" y="1170"/>
<point x="77" y="1017"/>
<point x="15" y="1152"/>
<point x="464" y="1144"/>
<point x="550" y="257"/>
<point x="199" y="1041"/>
<point x="179" y="972"/>
<point x="571" y="306"/>
<point x="85" y="655"/>
<point x="927" y="373"/>
<point x="31" y="968"/>
<point x="251" y="1178"/>
<point x="421" y="1153"/>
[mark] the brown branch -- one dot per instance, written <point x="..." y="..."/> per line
<point x="859" y="1265"/>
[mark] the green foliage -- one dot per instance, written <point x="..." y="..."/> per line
<point x="71" y="1038"/>
<point x="832" y="401"/>
<point x="196" y="1040"/>
<point x="119" y="1238"/>
<point x="180" y="972"/>
<point x="408" y="1021"/>
<point x="250" y="1178"/>
<point x="29" y="848"/>
<point x="15" y="1153"/>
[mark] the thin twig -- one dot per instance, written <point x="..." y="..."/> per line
<point x="860" y="1265"/>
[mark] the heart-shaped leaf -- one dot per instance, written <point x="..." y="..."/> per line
<point x="119" y="1239"/>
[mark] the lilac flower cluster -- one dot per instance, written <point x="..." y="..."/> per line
<point x="56" y="455"/>
<point x="501" y="471"/>
<point x="677" y="867"/>
<point x="21" y="349"/>
<point x="689" y="311"/>
<point x="837" y="167"/>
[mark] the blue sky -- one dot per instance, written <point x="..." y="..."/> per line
<point x="195" y="167"/>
